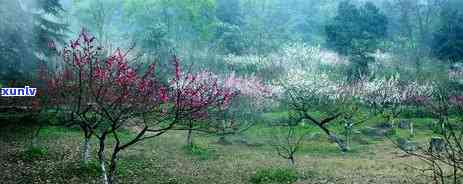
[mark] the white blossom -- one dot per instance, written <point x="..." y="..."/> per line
<point x="383" y="91"/>
<point x="291" y="56"/>
<point x="315" y="84"/>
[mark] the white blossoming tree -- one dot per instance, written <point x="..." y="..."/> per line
<point x="384" y="96"/>
<point x="308" y="91"/>
<point x="290" y="56"/>
<point x="389" y="96"/>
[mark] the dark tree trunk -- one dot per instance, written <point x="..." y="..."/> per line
<point x="341" y="144"/>
<point x="189" y="138"/>
<point x="112" y="166"/>
<point x="35" y="137"/>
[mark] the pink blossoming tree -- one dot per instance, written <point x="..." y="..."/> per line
<point x="202" y="85"/>
<point x="104" y="95"/>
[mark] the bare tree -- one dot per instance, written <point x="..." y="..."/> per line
<point x="304" y="106"/>
<point x="288" y="139"/>
<point x="444" y="155"/>
<point x="351" y="119"/>
<point x="315" y="93"/>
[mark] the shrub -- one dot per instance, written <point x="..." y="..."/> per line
<point x="34" y="153"/>
<point x="272" y="175"/>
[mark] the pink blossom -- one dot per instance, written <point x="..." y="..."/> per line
<point x="51" y="45"/>
<point x="100" y="74"/>
<point x="456" y="100"/>
<point x="163" y="94"/>
<point x="110" y="61"/>
<point x="150" y="70"/>
<point x="74" y="44"/>
<point x="67" y="75"/>
<point x="143" y="85"/>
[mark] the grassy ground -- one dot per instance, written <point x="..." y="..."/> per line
<point x="166" y="160"/>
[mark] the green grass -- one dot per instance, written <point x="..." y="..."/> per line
<point x="200" y="152"/>
<point x="34" y="153"/>
<point x="275" y="175"/>
<point x="91" y="169"/>
<point x="56" y="131"/>
<point x="165" y="159"/>
<point x="328" y="149"/>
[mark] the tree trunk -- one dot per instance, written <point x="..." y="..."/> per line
<point x="35" y="137"/>
<point x="412" y="131"/>
<point x="112" y="166"/>
<point x="291" y="161"/>
<point x="341" y="144"/>
<point x="112" y="176"/>
<point x="223" y="140"/>
<point x="333" y="137"/>
<point x="101" y="158"/>
<point x="34" y="142"/>
<point x="86" y="150"/>
<point x="104" y="172"/>
<point x="189" y="138"/>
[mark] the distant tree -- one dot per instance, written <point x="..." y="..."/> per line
<point x="245" y="109"/>
<point x="195" y="90"/>
<point x="150" y="28"/>
<point x="194" y="20"/>
<point x="231" y="38"/>
<point x="390" y="97"/>
<point x="48" y="31"/>
<point x="356" y="32"/>
<point x="224" y="120"/>
<point x="97" y="16"/>
<point x="229" y="33"/>
<point x="448" y="40"/>
<point x="267" y="25"/>
<point x="411" y="27"/>
<point x="229" y="11"/>
<point x="27" y="30"/>
<point x="14" y="49"/>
